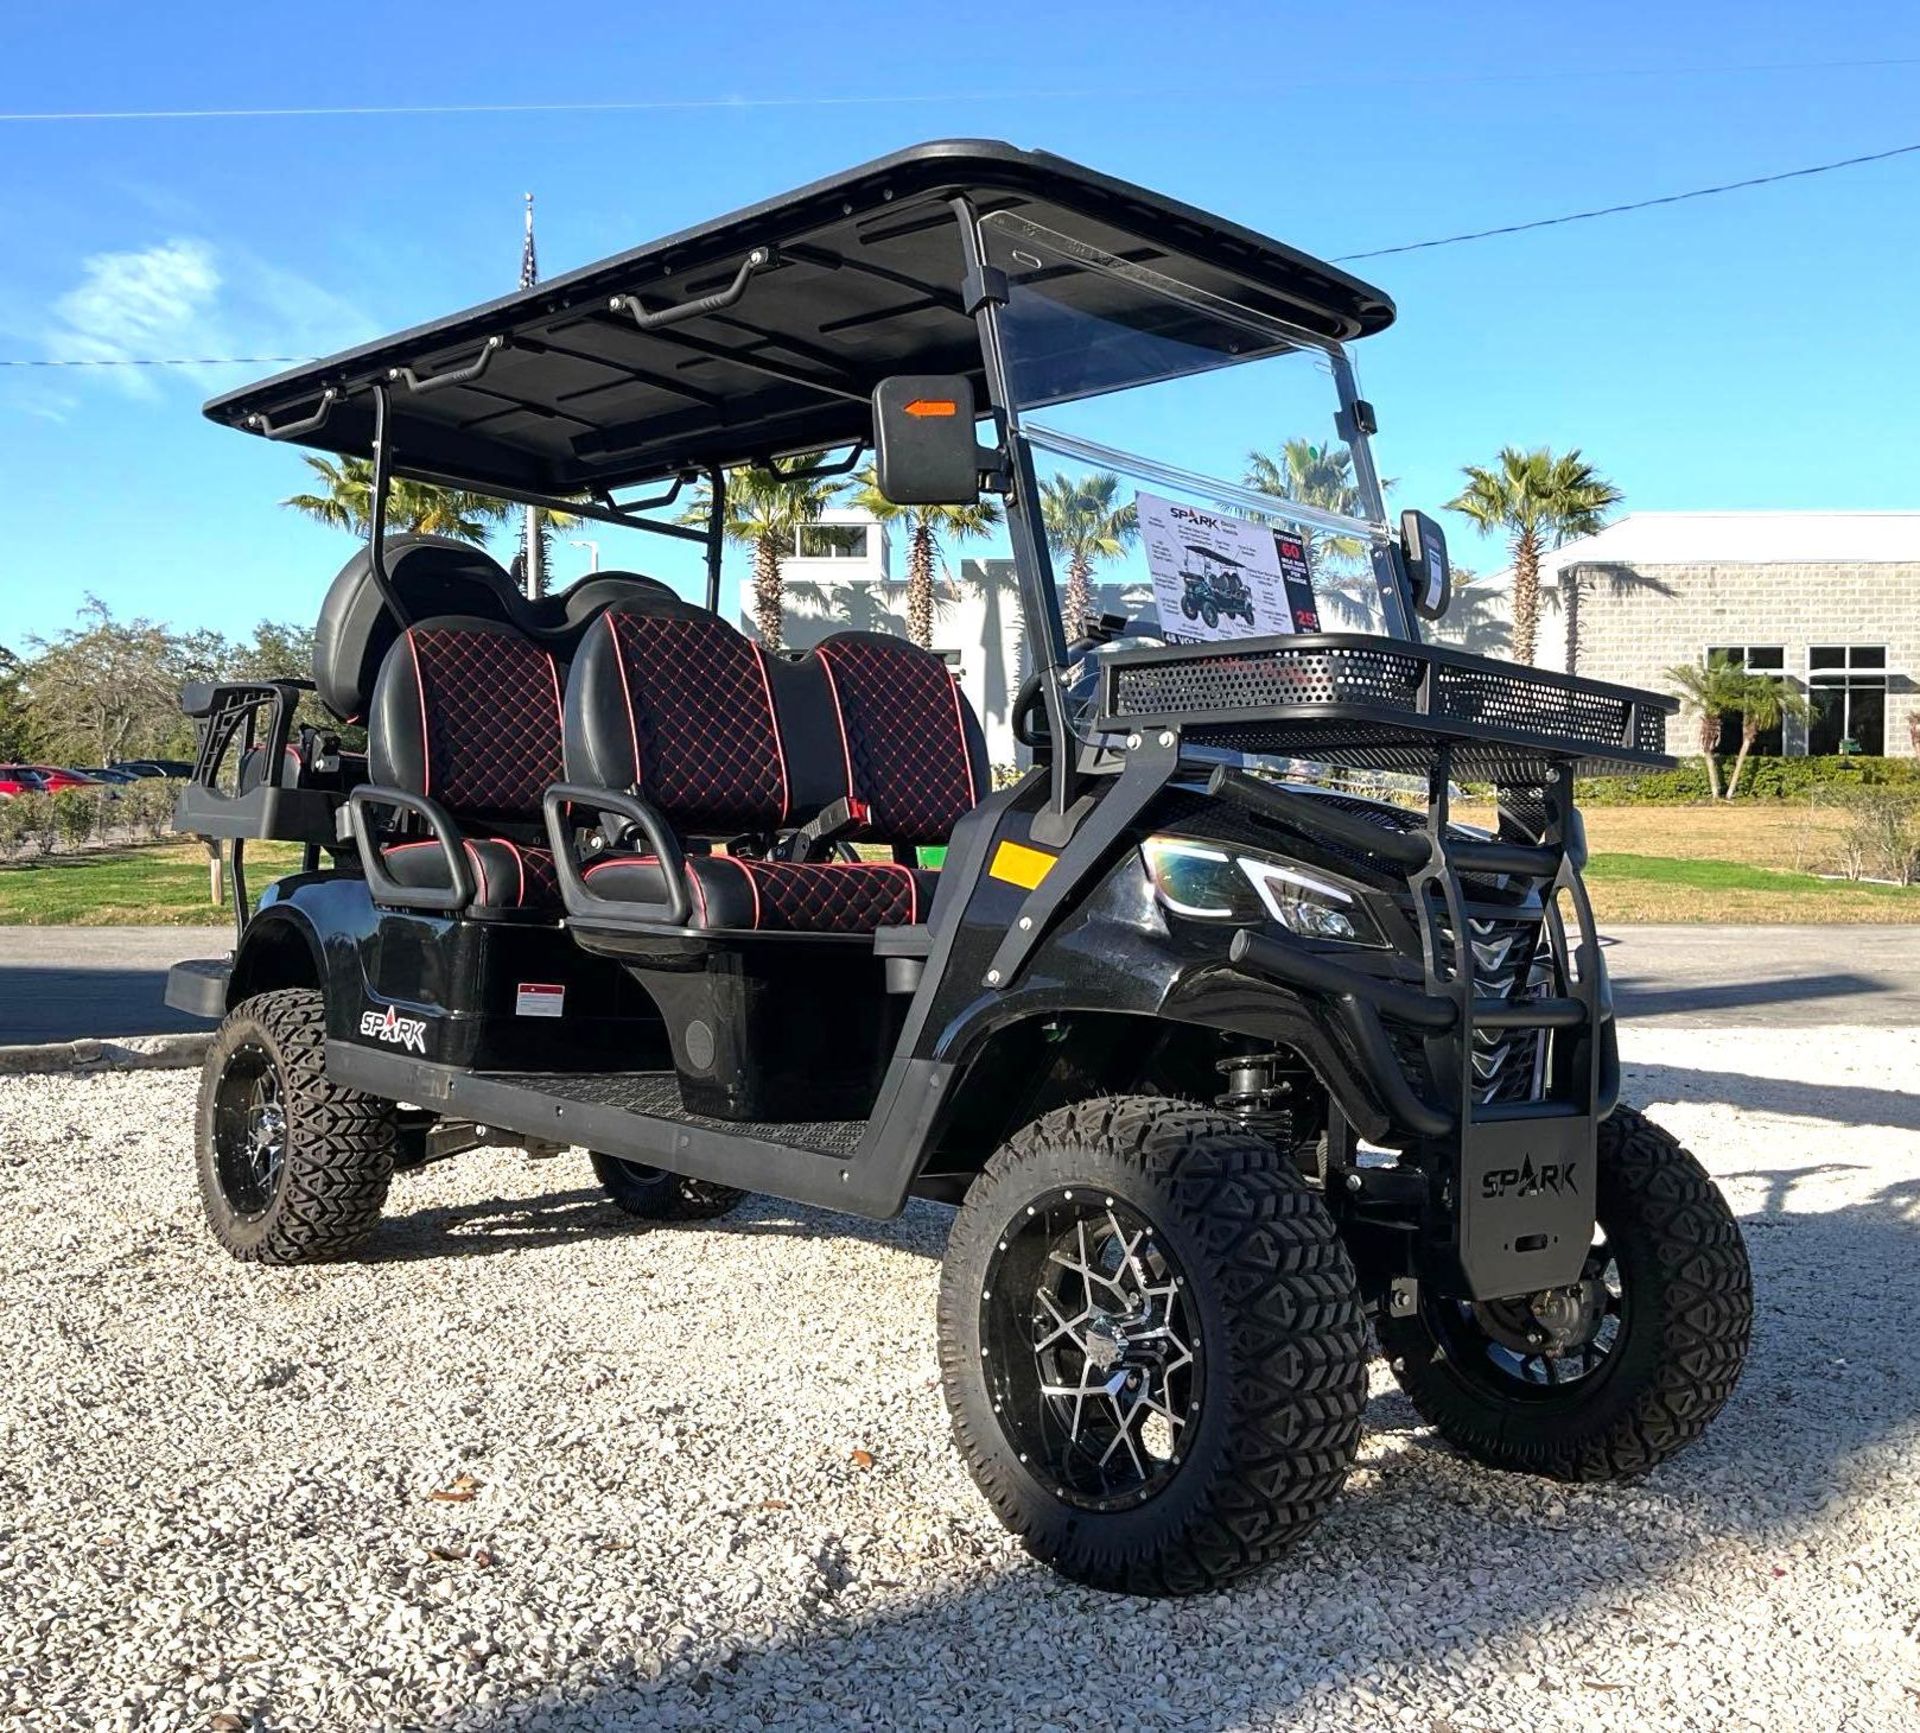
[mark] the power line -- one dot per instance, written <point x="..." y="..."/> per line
<point x="911" y="98"/>
<point x="164" y="361"/>
<point x="1338" y="258"/>
<point x="1637" y="205"/>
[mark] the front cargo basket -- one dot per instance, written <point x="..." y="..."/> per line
<point x="1383" y="704"/>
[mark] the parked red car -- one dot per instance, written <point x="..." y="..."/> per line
<point x="41" y="779"/>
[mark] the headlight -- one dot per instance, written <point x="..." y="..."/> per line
<point x="1205" y="882"/>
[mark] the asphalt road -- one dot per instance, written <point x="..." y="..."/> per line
<point x="61" y="983"/>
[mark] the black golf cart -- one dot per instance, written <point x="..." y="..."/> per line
<point x="1212" y="588"/>
<point x="1217" y="1066"/>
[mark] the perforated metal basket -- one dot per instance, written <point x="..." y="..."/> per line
<point x="1383" y="704"/>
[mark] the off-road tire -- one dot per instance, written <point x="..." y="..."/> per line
<point x="338" y="1147"/>
<point x="1683" y="1337"/>
<point x="1279" y="1314"/>
<point x="652" y="1194"/>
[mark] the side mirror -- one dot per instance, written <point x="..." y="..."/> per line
<point x="1423" y="546"/>
<point x="923" y="445"/>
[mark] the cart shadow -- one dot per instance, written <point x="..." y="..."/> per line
<point x="1838" y="1103"/>
<point x="491" y="1227"/>
<point x="1637" y="1004"/>
<point x="1382" y="1596"/>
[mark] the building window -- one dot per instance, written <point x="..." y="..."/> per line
<point x="833" y="542"/>
<point x="1847" y="685"/>
<point x="1761" y="659"/>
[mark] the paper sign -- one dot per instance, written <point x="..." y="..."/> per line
<point x="1217" y="576"/>
<point x="536" y="999"/>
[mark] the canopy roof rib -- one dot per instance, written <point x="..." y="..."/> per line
<point x="863" y="281"/>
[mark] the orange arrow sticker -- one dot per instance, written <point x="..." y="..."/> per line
<point x="933" y="406"/>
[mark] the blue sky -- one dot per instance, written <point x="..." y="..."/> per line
<point x="1759" y="349"/>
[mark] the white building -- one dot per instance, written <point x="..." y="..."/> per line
<point x="843" y="575"/>
<point x="1829" y="600"/>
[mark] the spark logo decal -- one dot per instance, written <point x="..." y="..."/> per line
<point x="1526" y="1180"/>
<point x="395" y="1030"/>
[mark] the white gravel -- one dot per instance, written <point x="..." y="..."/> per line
<point x="217" y="1484"/>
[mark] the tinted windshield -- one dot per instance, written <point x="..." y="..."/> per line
<point x="1192" y="473"/>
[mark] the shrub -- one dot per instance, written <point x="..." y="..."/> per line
<point x="1881" y="836"/>
<point x="147" y="805"/>
<point x="14" y="814"/>
<point x="1766" y="779"/>
<point x="37" y="822"/>
<point x="76" y="815"/>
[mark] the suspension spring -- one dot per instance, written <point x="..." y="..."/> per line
<point x="1257" y="1097"/>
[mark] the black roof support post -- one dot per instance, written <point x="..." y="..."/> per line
<point x="716" y="533"/>
<point x="1046" y="642"/>
<point x="377" y="505"/>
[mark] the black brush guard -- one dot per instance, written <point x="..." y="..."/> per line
<point x="1516" y="1177"/>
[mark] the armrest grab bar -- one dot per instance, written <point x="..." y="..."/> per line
<point x="386" y="888"/>
<point x="581" y="903"/>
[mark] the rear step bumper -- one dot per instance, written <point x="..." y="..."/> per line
<point x="199" y="987"/>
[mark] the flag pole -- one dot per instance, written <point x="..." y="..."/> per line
<point x="535" y="577"/>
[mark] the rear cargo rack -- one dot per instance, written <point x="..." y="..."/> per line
<point x="1383" y="704"/>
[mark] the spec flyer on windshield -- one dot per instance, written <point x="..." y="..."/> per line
<point x="1218" y="576"/>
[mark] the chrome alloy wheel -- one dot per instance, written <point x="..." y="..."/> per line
<point x="1092" y="1348"/>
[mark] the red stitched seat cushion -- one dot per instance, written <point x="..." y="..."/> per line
<point x="506" y="875"/>
<point x="770" y="896"/>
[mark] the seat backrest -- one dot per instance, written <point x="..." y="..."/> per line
<point x="913" y="749"/>
<point x="433" y="576"/>
<point x="670" y="701"/>
<point x="468" y="712"/>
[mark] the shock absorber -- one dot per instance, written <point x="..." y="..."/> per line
<point x="1258" y="1096"/>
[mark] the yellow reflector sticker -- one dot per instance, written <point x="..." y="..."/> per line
<point x="1020" y="865"/>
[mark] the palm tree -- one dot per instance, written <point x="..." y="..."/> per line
<point x="1540" y="501"/>
<point x="765" y="509"/>
<point x="927" y="524"/>
<point x="1766" y="700"/>
<point x="1711" y="693"/>
<point x="1318" y="475"/>
<point x="1084" y="526"/>
<point x="345" y="501"/>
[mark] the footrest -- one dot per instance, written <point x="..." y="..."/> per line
<point x="904" y="950"/>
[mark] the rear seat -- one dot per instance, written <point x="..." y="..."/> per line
<point x="671" y="703"/>
<point x="467" y="713"/>
<point x="465" y="709"/>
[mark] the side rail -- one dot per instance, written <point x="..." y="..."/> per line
<point x="581" y="904"/>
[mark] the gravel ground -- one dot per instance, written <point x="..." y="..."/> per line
<point x="524" y="1466"/>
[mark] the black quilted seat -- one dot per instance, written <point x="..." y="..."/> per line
<point x="674" y="705"/>
<point x="506" y="874"/>
<point x="467" y="712"/>
<point x="775" y="896"/>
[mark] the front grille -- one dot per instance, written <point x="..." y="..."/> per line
<point x="1507" y="963"/>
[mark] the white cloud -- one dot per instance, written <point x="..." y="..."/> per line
<point x="186" y="299"/>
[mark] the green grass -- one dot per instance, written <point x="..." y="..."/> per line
<point x="1642" y="887"/>
<point x="160" y="886"/>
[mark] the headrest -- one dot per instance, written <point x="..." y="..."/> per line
<point x="433" y="576"/>
<point x="576" y="606"/>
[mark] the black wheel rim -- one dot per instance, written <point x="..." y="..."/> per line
<point x="249" y="1130"/>
<point x="1091" y="1349"/>
<point x="1539" y="1348"/>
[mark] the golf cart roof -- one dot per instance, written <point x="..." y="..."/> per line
<point x="1212" y="554"/>
<point x="564" y="390"/>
